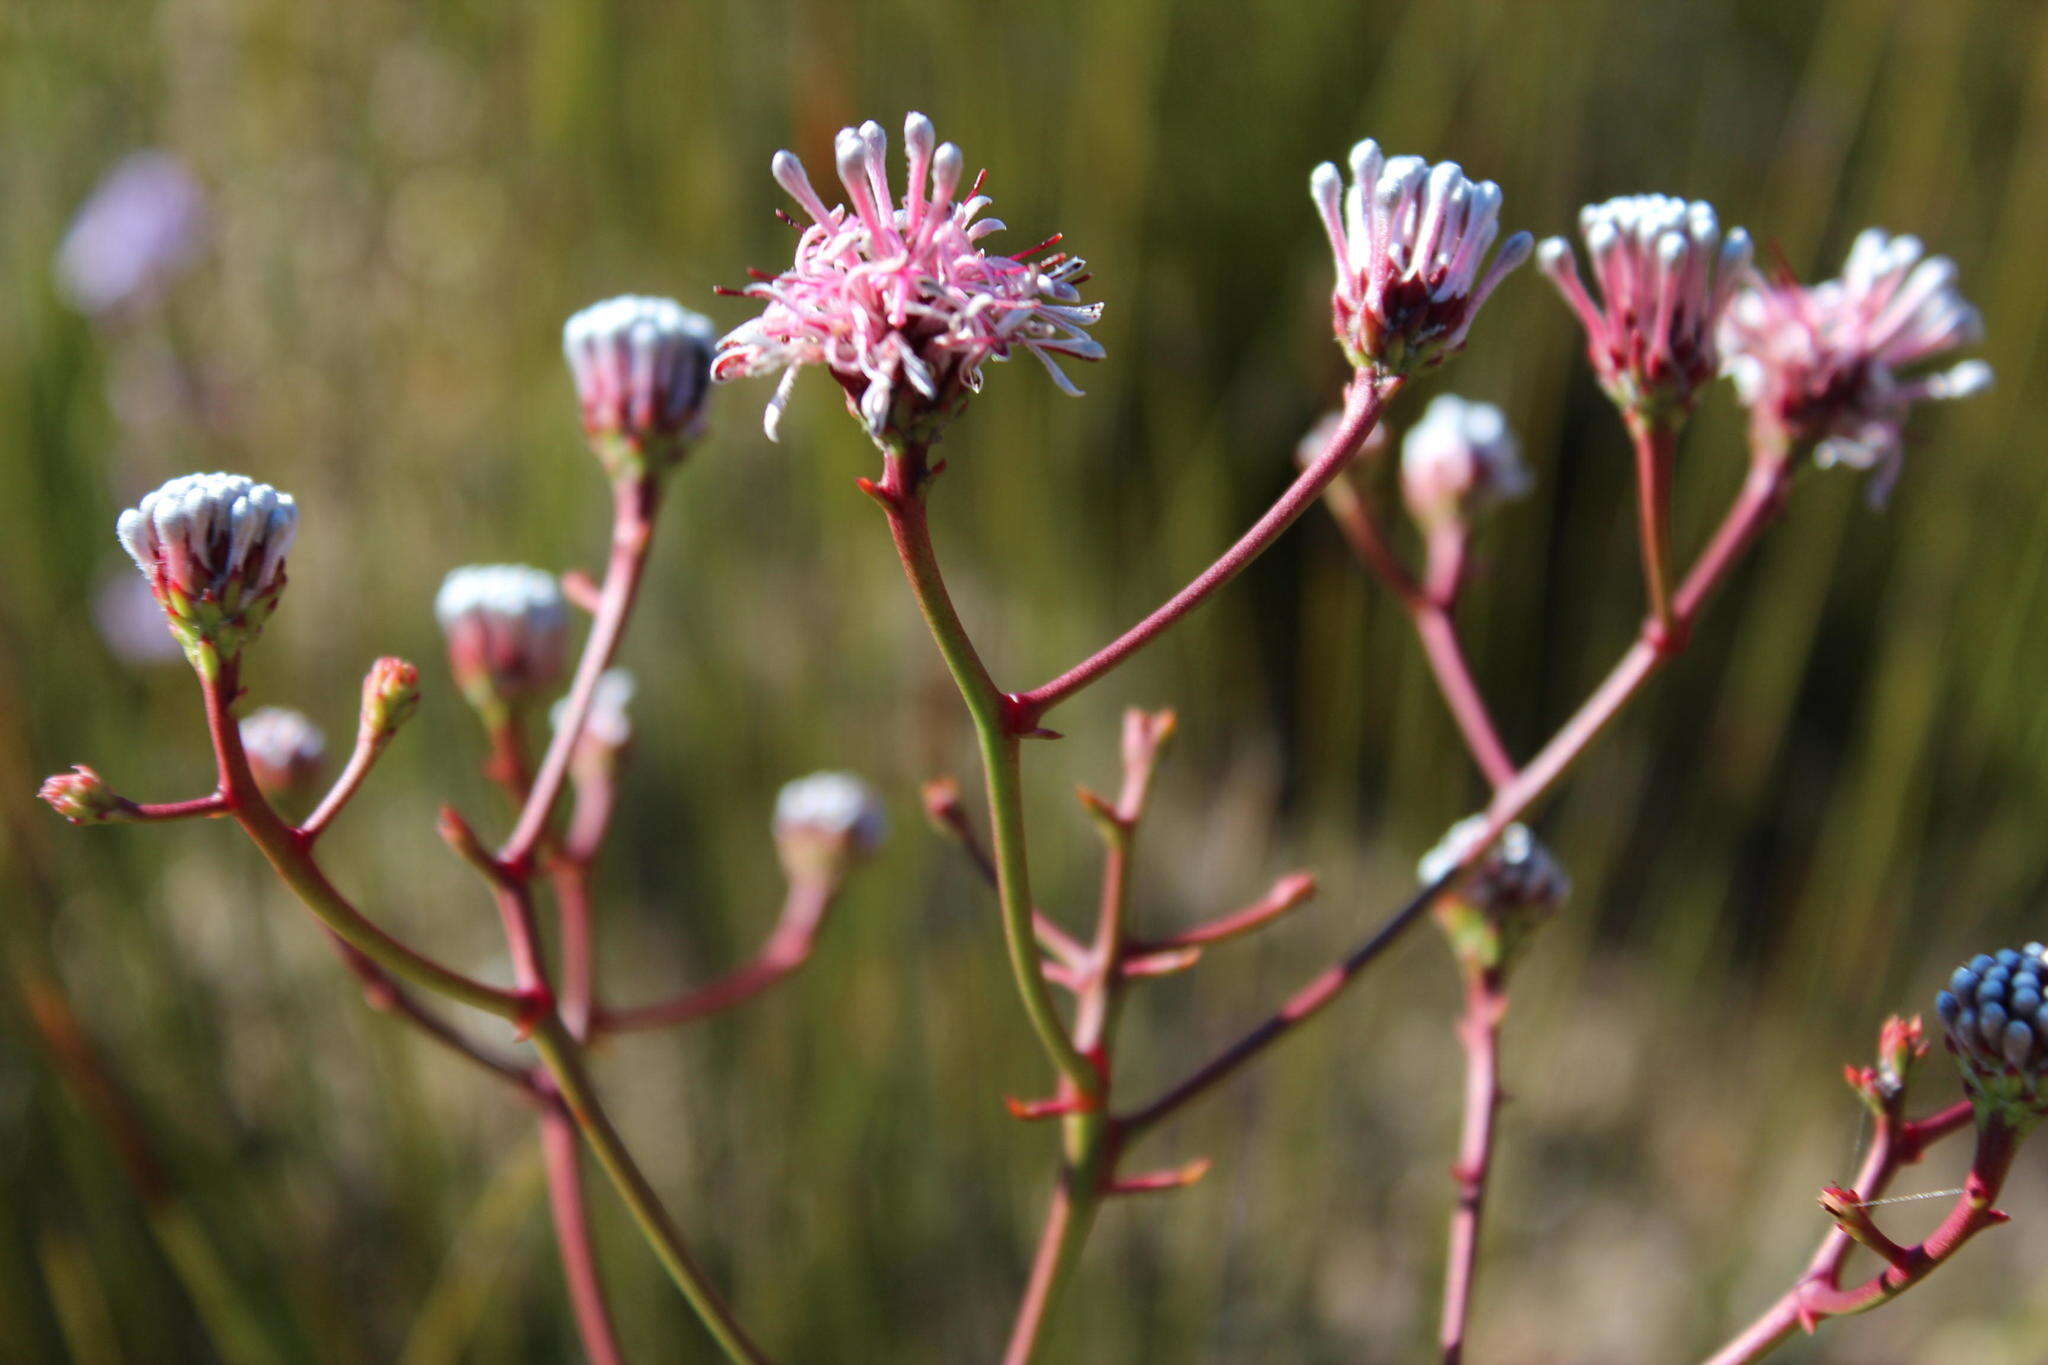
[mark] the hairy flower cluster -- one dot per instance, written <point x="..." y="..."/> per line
<point x="284" y="747"/>
<point x="213" y="548"/>
<point x="507" y="627"/>
<point x="1821" y="364"/>
<point x="142" y="226"/>
<point x="898" y="300"/>
<point x="1458" y="461"/>
<point x="1410" y="241"/>
<point x="642" y="367"/>
<point x="1665" y="275"/>
<point x="1491" y="912"/>
<point x="1997" y="1026"/>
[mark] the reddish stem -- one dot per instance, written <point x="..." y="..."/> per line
<point x="633" y="508"/>
<point x="1818" y="1296"/>
<point x="1430" y="610"/>
<point x="1656" y="444"/>
<point x="196" y="807"/>
<point x="1479" y="1031"/>
<point x="787" y="949"/>
<point x="1446" y="655"/>
<point x="1362" y="404"/>
<point x="1290" y="891"/>
<point x="562" y="1152"/>
<point x="1759" y="501"/>
<point x="369" y="744"/>
<point x="292" y="857"/>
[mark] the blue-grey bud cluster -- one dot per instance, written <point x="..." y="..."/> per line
<point x="1996" y="1022"/>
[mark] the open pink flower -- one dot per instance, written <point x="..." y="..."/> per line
<point x="1410" y="241"/>
<point x="1820" y="364"/>
<point x="1665" y="272"/>
<point x="900" y="303"/>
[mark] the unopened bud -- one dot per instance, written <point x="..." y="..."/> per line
<point x="1996" y="1024"/>
<point x="1458" y="461"/>
<point x="507" y="627"/>
<point x="826" y="823"/>
<point x="82" y="797"/>
<point x="1491" y="911"/>
<point x="285" y="750"/>
<point x="213" y="548"/>
<point x="391" y="693"/>
<point x="642" y="368"/>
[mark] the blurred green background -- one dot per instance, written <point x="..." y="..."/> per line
<point x="1839" y="793"/>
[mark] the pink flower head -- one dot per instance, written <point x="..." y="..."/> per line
<point x="1820" y="365"/>
<point x="213" y="548"/>
<point x="900" y="303"/>
<point x="641" y="366"/>
<point x="507" y="627"/>
<point x="1410" y="241"/>
<point x="1458" y="461"/>
<point x="1665" y="274"/>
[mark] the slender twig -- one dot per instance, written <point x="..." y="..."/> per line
<point x="564" y="1061"/>
<point x="198" y="807"/>
<point x="1430" y="606"/>
<point x="1479" y="1032"/>
<point x="1296" y="888"/>
<point x="942" y="804"/>
<point x="1818" y="1295"/>
<point x="634" y="504"/>
<point x="1363" y="401"/>
<point x="1758" y="502"/>
<point x="370" y="743"/>
<point x="790" y="946"/>
<point x="291" y="856"/>
<point x="1656" y="444"/>
<point x="1091" y="1138"/>
<point x="529" y="1007"/>
<point x="901" y="494"/>
<point x="560" y="1148"/>
<point x="1446" y="654"/>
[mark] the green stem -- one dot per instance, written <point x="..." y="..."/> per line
<point x="562" y="1057"/>
<point x="901" y="494"/>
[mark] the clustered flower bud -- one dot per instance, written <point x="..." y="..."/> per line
<point x="507" y="627"/>
<point x="1997" y="1027"/>
<point x="285" y="749"/>
<point x="143" y="226"/>
<point x="1819" y="366"/>
<point x="825" y="823"/>
<point x="1492" y="910"/>
<point x="1458" y="461"/>
<point x="391" y="693"/>
<point x="901" y="304"/>
<point x="213" y="548"/>
<point x="642" y="368"/>
<point x="82" y="797"/>
<point x="1410" y="241"/>
<point x="1665" y="275"/>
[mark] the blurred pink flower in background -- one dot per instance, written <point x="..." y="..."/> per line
<point x="143" y="225"/>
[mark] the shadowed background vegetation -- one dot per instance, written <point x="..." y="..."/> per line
<point x="1839" y="793"/>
